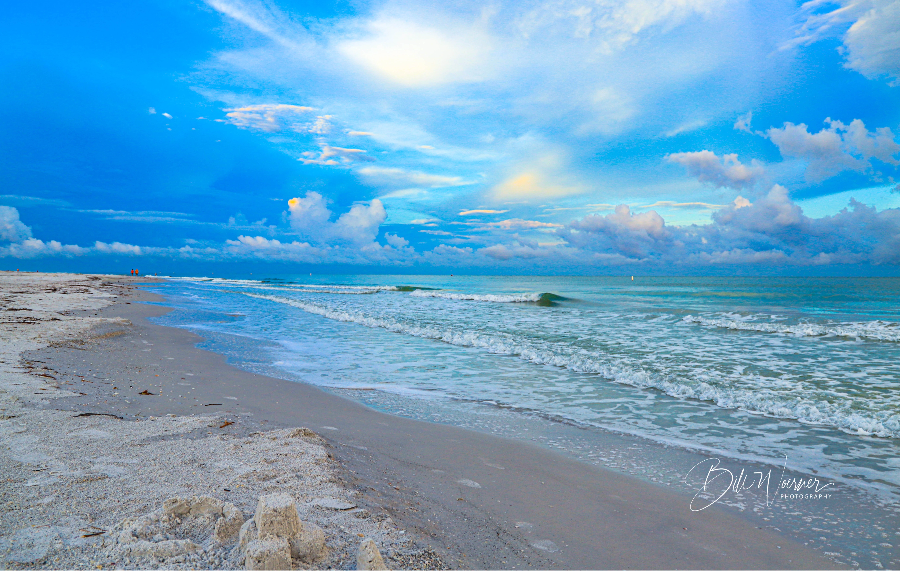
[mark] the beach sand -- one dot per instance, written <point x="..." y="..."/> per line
<point x="428" y="494"/>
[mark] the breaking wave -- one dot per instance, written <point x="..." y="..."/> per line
<point x="538" y="298"/>
<point x="875" y="330"/>
<point x="841" y="414"/>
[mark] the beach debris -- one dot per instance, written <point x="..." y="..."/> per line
<point x="99" y="414"/>
<point x="333" y="504"/>
<point x="145" y="392"/>
<point x="469" y="483"/>
<point x="369" y="557"/>
<point x="277" y="517"/>
<point x="226" y="423"/>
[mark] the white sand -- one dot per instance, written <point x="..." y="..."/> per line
<point x="69" y="481"/>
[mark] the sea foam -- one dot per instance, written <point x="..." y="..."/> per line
<point x="873" y="330"/>
<point x="812" y="408"/>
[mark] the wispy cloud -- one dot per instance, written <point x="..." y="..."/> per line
<point x="393" y="175"/>
<point x="268" y="117"/>
<point x="334" y="156"/>
<point x="481" y="211"/>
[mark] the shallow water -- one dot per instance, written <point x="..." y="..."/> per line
<point x="799" y="374"/>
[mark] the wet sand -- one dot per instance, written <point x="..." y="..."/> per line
<point x="480" y="501"/>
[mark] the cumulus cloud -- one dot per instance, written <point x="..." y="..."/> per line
<point x="869" y="29"/>
<point x="310" y="217"/>
<point x="771" y="230"/>
<point x="835" y="148"/>
<point x="117" y="248"/>
<point x="268" y="117"/>
<point x="726" y="171"/>
<point x="11" y="228"/>
<point x="396" y="241"/>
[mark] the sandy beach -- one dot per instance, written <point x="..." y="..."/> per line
<point x="105" y="416"/>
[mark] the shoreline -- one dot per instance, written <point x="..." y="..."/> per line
<point x="480" y="501"/>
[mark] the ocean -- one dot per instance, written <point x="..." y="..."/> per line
<point x="646" y="376"/>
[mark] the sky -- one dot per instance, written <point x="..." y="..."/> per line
<point x="413" y="136"/>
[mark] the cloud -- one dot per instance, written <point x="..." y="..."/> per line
<point x="873" y="41"/>
<point x="726" y="171"/>
<point x="743" y="122"/>
<point x="519" y="224"/>
<point x="531" y="185"/>
<point x="399" y="176"/>
<point x="481" y="211"/>
<point x="33" y="248"/>
<point x="117" y="248"/>
<point x="167" y="116"/>
<point x="835" y="148"/>
<point x="11" y="228"/>
<point x="633" y="235"/>
<point x="333" y="156"/>
<point x="613" y="24"/>
<point x="268" y="117"/>
<point x="687" y="205"/>
<point x="772" y="230"/>
<point x="415" y="54"/>
<point x="310" y="217"/>
<point x="151" y="111"/>
<point x="869" y="29"/>
<point x="516" y="250"/>
<point x="396" y="241"/>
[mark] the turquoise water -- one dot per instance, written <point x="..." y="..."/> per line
<point x="774" y="370"/>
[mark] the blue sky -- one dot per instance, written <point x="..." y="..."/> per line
<point x="561" y="136"/>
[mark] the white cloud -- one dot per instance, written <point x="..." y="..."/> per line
<point x="117" y="248"/>
<point x="167" y="116"/>
<point x="519" y="224"/>
<point x="686" y="205"/>
<point x="725" y="172"/>
<point x="772" y="230"/>
<point x="11" y="228"/>
<point x="386" y="175"/>
<point x="613" y="24"/>
<point x="835" y="148"/>
<point x="743" y="122"/>
<point x="869" y="29"/>
<point x="151" y="111"/>
<point x="268" y="117"/>
<point x="396" y="241"/>
<point x="33" y="248"/>
<point x="334" y="156"/>
<point x="481" y="211"/>
<point x="310" y="217"/>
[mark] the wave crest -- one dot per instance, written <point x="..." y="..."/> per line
<point x="874" y="330"/>
<point x="538" y="298"/>
<point x="841" y="415"/>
